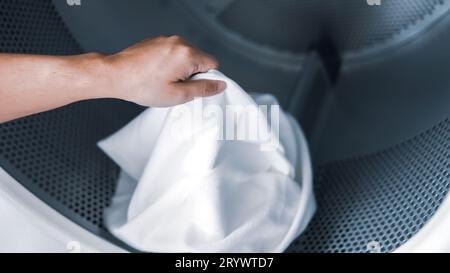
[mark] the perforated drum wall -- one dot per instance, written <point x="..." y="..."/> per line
<point x="385" y="197"/>
<point x="352" y="25"/>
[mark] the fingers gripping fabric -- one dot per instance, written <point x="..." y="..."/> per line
<point x="54" y="154"/>
<point x="385" y="197"/>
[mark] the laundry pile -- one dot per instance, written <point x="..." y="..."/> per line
<point x="228" y="173"/>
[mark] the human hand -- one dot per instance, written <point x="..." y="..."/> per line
<point x="156" y="72"/>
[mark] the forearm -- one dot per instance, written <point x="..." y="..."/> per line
<point x="32" y="83"/>
<point x="155" y="72"/>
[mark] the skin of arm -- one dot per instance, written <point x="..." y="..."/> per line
<point x="154" y="72"/>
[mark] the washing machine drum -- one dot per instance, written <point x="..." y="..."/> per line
<point x="386" y="196"/>
<point x="292" y="26"/>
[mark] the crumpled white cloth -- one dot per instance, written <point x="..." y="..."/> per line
<point x="184" y="189"/>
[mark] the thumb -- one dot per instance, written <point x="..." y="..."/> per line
<point x="200" y="88"/>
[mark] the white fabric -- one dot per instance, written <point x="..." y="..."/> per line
<point x="185" y="190"/>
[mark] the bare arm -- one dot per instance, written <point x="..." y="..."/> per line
<point x="154" y="72"/>
<point x="30" y="84"/>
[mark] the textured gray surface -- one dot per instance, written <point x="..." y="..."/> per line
<point x="389" y="99"/>
<point x="384" y="197"/>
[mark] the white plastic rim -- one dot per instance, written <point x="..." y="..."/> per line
<point x="434" y="237"/>
<point x="30" y="225"/>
